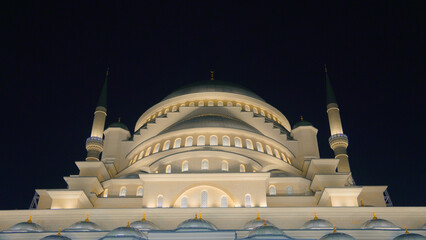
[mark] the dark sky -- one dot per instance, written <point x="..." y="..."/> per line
<point x="54" y="55"/>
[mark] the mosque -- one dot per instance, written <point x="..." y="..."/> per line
<point x="213" y="161"/>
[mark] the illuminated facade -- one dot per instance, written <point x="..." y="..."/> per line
<point x="220" y="152"/>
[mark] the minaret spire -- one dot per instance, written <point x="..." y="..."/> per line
<point x="94" y="144"/>
<point x="338" y="140"/>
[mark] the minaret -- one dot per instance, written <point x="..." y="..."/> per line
<point x="94" y="144"/>
<point x="338" y="140"/>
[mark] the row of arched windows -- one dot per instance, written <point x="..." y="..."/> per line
<point x="204" y="201"/>
<point x="211" y="103"/>
<point x="213" y="141"/>
<point x="205" y="166"/>
<point x="123" y="192"/>
<point x="273" y="190"/>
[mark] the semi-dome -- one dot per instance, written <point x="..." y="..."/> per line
<point x="378" y="223"/>
<point x="196" y="224"/>
<point x="28" y="226"/>
<point x="267" y="232"/>
<point x="257" y="222"/>
<point x="337" y="236"/>
<point x="410" y="236"/>
<point x="83" y="226"/>
<point x="213" y="86"/>
<point x="317" y="223"/>
<point x="211" y="120"/>
<point x="144" y="225"/>
<point x="125" y="232"/>
<point x="56" y="237"/>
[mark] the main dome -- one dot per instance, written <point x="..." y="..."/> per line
<point x="213" y="86"/>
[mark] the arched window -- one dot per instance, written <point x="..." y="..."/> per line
<point x="159" y="113"/>
<point x="148" y="151"/>
<point x="289" y="190"/>
<point x="123" y="192"/>
<point x="262" y="112"/>
<point x="169" y="169"/>
<point x="106" y="192"/>
<point x="237" y="142"/>
<point x="255" y="110"/>
<point x="191" y="104"/>
<point x="247" y="108"/>
<point x="184" y="202"/>
<point x="188" y="141"/>
<point x="166" y="110"/>
<point x="204" y="164"/>
<point x="284" y="157"/>
<point x="249" y="144"/>
<point x="174" y="109"/>
<point x="225" y="141"/>
<point x="183" y="105"/>
<point x="201" y="103"/>
<point x="210" y="104"/>
<point x="213" y="140"/>
<point x="140" y="155"/>
<point x="248" y="200"/>
<point x="177" y="143"/>
<point x="166" y="145"/>
<point x="259" y="147"/>
<point x="220" y="104"/>
<point x="275" y="118"/>
<point x="242" y="168"/>
<point x="272" y="190"/>
<point x="229" y="104"/>
<point x="139" y="192"/>
<point x="156" y="148"/>
<point x="268" y="150"/>
<point x="239" y="105"/>
<point x="224" y="201"/>
<point x="224" y="165"/>
<point x="185" y="166"/>
<point x="201" y="141"/>
<point x="277" y="154"/>
<point x="160" y="201"/>
<point x="288" y="160"/>
<point x="269" y="115"/>
<point x="204" y="198"/>
<point x="134" y="159"/>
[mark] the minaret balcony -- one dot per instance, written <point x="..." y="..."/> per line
<point x="94" y="144"/>
<point x="338" y="140"/>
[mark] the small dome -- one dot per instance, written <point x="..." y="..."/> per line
<point x="256" y="223"/>
<point x="378" y="223"/>
<point x="83" y="226"/>
<point x="267" y="232"/>
<point x="55" y="237"/>
<point x="196" y="224"/>
<point x="134" y="175"/>
<point x="144" y="225"/>
<point x="302" y="123"/>
<point x="25" y="227"/>
<point x="118" y="125"/>
<point x="337" y="236"/>
<point x="410" y="236"/>
<point x="317" y="223"/>
<point x="125" y="232"/>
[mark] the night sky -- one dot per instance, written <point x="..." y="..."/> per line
<point x="54" y="55"/>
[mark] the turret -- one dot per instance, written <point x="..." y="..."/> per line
<point x="338" y="140"/>
<point x="306" y="134"/>
<point x="94" y="144"/>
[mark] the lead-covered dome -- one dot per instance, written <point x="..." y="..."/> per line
<point x="410" y="236"/>
<point x="337" y="236"/>
<point x="267" y="232"/>
<point x="56" y="237"/>
<point x="196" y="224"/>
<point x="317" y="223"/>
<point x="213" y="86"/>
<point x="257" y="222"/>
<point x="123" y="232"/>
<point x="83" y="226"/>
<point x="28" y="226"/>
<point x="378" y="223"/>
<point x="144" y="225"/>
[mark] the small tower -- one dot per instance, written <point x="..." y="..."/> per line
<point x="94" y="144"/>
<point x="338" y="140"/>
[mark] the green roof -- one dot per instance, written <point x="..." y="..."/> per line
<point x="118" y="125"/>
<point x="302" y="123"/>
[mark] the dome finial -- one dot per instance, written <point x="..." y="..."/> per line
<point x="362" y="203"/>
<point x="406" y="231"/>
<point x="212" y="75"/>
<point x="374" y="216"/>
<point x="325" y="67"/>
<point x="257" y="218"/>
<point x="334" y="229"/>
<point x="59" y="232"/>
<point x="87" y="218"/>
<point x="29" y="220"/>
<point x="143" y="218"/>
<point x="119" y="119"/>
<point x="196" y="216"/>
<point x="128" y="224"/>
<point x="301" y="118"/>
<point x="315" y="214"/>
<point x="200" y="216"/>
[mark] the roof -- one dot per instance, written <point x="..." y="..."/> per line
<point x="118" y="125"/>
<point x="302" y="123"/>
<point x="213" y="86"/>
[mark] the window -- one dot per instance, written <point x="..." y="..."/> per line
<point x="201" y="103"/>
<point x="183" y="105"/>
<point x="219" y="103"/>
<point x="210" y="104"/>
<point x="185" y="166"/>
<point x="277" y="154"/>
<point x="188" y="141"/>
<point x="156" y="148"/>
<point x="191" y="104"/>
<point x="289" y="161"/>
<point x="123" y="192"/>
<point x="262" y="112"/>
<point x="159" y="113"/>
<point x="259" y="147"/>
<point x="224" y="201"/>
<point x="166" y="110"/>
<point x="204" y="164"/>
<point x="249" y="144"/>
<point x="269" y="115"/>
<point x="160" y="201"/>
<point x="148" y="151"/>
<point x="272" y="190"/>
<point x="204" y="197"/>
<point x="177" y="143"/>
<point x="224" y="165"/>
<point x="184" y="202"/>
<point x="247" y="108"/>
<point x="229" y="104"/>
<point x="248" y="200"/>
<point x="201" y="141"/>
<point x="213" y="140"/>
<point x="255" y="110"/>
<point x="237" y="142"/>
<point x="106" y="192"/>
<point x="166" y="145"/>
<point x="268" y="150"/>
<point x="239" y="105"/>
<point x="174" y="109"/>
<point x="140" y="155"/>
<point x="289" y="190"/>
<point x="242" y="168"/>
<point x="284" y="157"/>
<point x="139" y="192"/>
<point x="225" y="141"/>
<point x="169" y="169"/>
